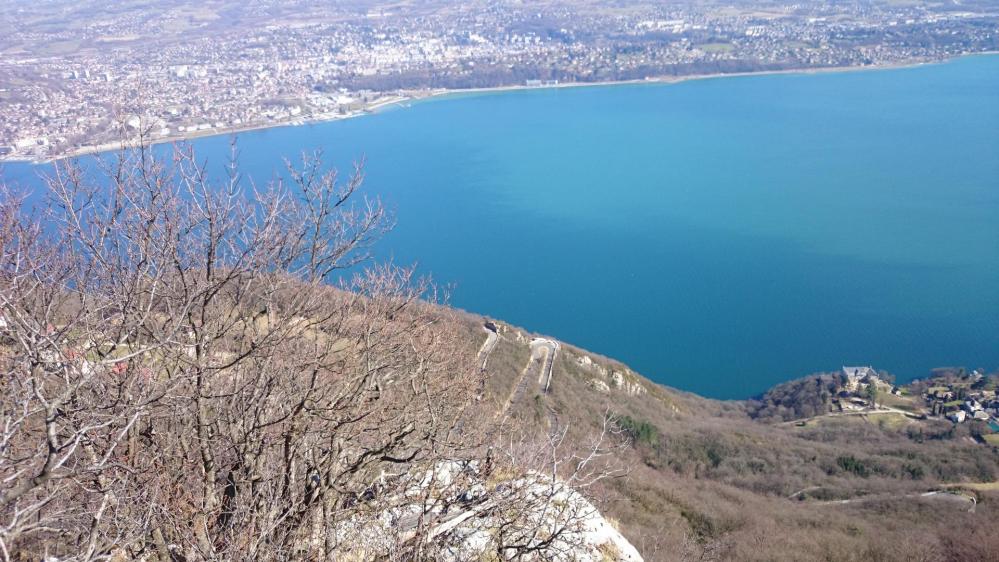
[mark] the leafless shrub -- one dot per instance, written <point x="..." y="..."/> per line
<point x="181" y="379"/>
<point x="540" y="513"/>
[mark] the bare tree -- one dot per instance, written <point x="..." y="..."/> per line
<point x="191" y="370"/>
<point x="195" y="367"/>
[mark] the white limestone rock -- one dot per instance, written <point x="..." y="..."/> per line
<point x="598" y="385"/>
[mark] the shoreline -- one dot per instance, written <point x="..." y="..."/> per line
<point x="416" y="96"/>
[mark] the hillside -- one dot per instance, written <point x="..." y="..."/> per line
<point x="189" y="374"/>
<point x="705" y="481"/>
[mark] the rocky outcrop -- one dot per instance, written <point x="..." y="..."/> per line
<point x="587" y="363"/>
<point x="626" y="381"/>
<point x="598" y="385"/>
<point x="476" y="518"/>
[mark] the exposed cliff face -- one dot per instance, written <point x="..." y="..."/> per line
<point x="606" y="379"/>
<point x="469" y="517"/>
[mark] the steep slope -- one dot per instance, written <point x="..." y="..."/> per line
<point x="705" y="481"/>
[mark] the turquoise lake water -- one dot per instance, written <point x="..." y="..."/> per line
<point x="718" y="235"/>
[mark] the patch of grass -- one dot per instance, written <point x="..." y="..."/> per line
<point x="977" y="486"/>
<point x="716" y="47"/>
<point x="892" y="422"/>
<point x="900" y="402"/>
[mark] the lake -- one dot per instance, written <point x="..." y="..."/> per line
<point x="717" y="235"/>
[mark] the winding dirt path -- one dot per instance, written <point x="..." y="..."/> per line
<point x="937" y="495"/>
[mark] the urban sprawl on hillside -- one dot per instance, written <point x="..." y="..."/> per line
<point x="205" y="68"/>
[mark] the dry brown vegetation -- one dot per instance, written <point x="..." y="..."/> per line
<point x="195" y="368"/>
<point x="200" y="370"/>
<point x="707" y="482"/>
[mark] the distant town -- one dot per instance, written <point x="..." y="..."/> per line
<point x="192" y="69"/>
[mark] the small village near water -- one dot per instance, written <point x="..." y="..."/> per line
<point x="956" y="395"/>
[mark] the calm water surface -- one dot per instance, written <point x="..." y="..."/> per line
<point x="718" y="235"/>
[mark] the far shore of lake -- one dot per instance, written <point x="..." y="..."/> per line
<point x="414" y="96"/>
